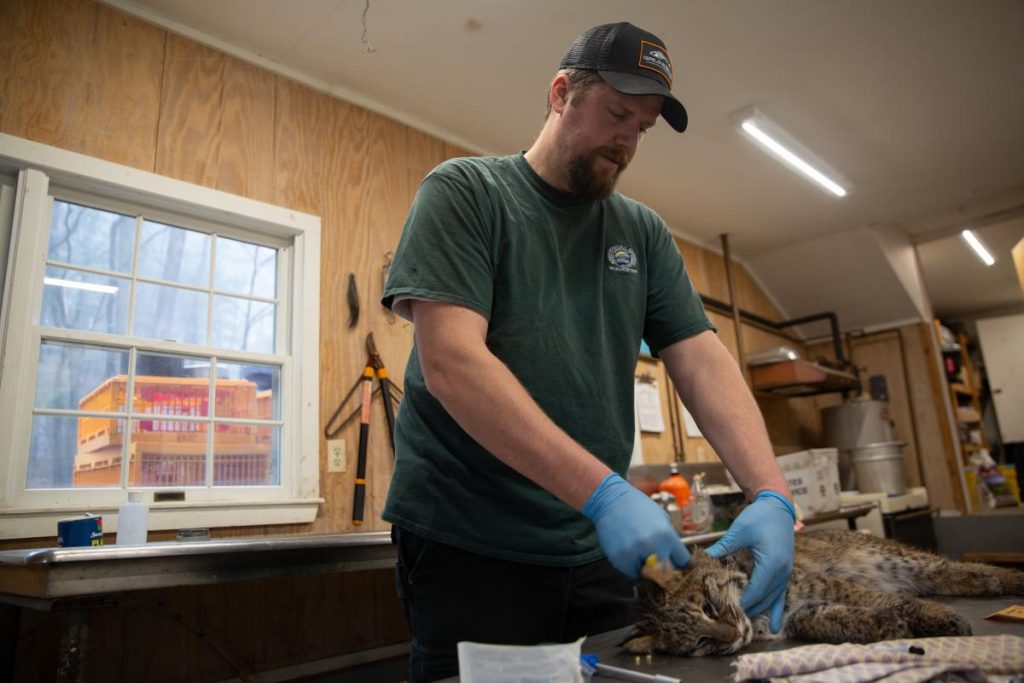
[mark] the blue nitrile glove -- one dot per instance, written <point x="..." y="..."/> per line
<point x="766" y="527"/>
<point x="630" y="527"/>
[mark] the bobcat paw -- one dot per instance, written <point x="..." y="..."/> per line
<point x="641" y="645"/>
<point x="952" y="625"/>
<point x="944" y="622"/>
<point x="889" y="625"/>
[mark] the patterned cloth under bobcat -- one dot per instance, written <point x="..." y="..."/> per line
<point x="956" y="658"/>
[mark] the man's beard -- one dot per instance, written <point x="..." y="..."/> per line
<point x="585" y="183"/>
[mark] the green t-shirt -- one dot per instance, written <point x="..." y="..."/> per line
<point x="568" y="289"/>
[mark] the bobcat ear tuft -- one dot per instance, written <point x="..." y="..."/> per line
<point x="659" y="573"/>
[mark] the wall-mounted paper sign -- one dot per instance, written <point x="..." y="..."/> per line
<point x="692" y="430"/>
<point x="648" y="405"/>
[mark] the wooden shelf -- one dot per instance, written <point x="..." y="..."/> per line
<point x="966" y="397"/>
<point x="800" y="378"/>
<point x="963" y="389"/>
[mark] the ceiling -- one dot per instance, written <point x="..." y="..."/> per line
<point x="917" y="103"/>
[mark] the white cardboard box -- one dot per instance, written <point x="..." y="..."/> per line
<point x="813" y="478"/>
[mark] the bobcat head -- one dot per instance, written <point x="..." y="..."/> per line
<point x="693" y="611"/>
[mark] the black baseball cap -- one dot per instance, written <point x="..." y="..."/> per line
<point x="632" y="61"/>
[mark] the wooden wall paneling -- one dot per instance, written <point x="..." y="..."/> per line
<point x="880" y="355"/>
<point x="82" y="77"/>
<point x="931" y="448"/>
<point x="388" y="199"/>
<point x="216" y="121"/>
<point x="342" y="155"/>
<point x="302" y="122"/>
<point x="700" y="267"/>
<point x="754" y="299"/>
<point x="659" y="447"/>
<point x="8" y="37"/>
<point x="939" y="467"/>
<point x="191" y="111"/>
<point x="246" y="160"/>
<point x="452" y="151"/>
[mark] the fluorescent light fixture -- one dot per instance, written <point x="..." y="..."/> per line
<point x="88" y="286"/>
<point x="978" y="247"/>
<point x="790" y="151"/>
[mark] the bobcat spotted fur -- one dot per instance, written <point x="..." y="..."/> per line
<point x="845" y="587"/>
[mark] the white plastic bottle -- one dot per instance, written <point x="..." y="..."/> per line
<point x="132" y="520"/>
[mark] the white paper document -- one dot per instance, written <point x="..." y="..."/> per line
<point x="648" y="405"/>
<point x="692" y="430"/>
<point x="484" y="663"/>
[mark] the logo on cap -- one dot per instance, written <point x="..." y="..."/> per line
<point x="655" y="57"/>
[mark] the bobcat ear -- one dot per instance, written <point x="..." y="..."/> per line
<point x="659" y="573"/>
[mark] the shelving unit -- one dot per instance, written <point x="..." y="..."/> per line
<point x="966" y="398"/>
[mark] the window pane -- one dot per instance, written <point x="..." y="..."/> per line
<point x="173" y="389"/>
<point x="248" y="391"/>
<point x="246" y="455"/>
<point x="243" y="324"/>
<point x="91" y="237"/>
<point x="75" y="300"/>
<point x="169" y="445"/>
<point x="73" y="376"/>
<point x="57" y="459"/>
<point x="164" y="458"/>
<point x="244" y="268"/>
<point x="174" y="254"/>
<point x="170" y="313"/>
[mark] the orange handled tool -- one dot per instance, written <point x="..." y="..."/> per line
<point x="364" y="433"/>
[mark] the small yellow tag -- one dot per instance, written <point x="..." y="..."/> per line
<point x="1011" y="613"/>
<point x="651" y="560"/>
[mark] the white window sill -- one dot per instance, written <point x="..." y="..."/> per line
<point x="165" y="516"/>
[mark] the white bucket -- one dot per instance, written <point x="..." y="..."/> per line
<point x="878" y="468"/>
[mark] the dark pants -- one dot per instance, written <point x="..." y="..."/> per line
<point x="451" y="595"/>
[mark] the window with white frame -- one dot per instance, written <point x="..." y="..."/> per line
<point x="157" y="336"/>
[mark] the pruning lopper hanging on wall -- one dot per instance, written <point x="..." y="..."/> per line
<point x="391" y="396"/>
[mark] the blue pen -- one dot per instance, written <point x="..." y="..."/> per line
<point x="590" y="665"/>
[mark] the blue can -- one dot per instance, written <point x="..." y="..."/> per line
<point x="80" y="531"/>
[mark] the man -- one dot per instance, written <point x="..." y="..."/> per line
<point x="531" y="284"/>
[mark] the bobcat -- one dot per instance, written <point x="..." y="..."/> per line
<point x="845" y="587"/>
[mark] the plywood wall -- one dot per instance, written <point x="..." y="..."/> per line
<point x="87" y="78"/>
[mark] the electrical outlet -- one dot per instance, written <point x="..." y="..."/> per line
<point x="336" y="455"/>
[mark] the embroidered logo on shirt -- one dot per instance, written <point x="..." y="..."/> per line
<point x="622" y="259"/>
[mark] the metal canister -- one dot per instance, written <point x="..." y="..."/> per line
<point x="879" y="468"/>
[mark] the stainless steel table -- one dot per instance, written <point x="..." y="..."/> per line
<point x="712" y="669"/>
<point x="606" y="645"/>
<point x="36" y="578"/>
<point x="32" y="577"/>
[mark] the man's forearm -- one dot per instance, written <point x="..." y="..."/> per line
<point x="714" y="391"/>
<point x="491" y="405"/>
